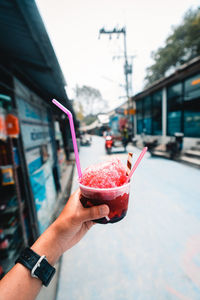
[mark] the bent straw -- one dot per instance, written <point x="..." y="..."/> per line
<point x="71" y="123"/>
<point x="137" y="163"/>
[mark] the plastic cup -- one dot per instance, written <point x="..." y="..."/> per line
<point x="116" y="198"/>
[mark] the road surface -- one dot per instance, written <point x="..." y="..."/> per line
<point x="152" y="254"/>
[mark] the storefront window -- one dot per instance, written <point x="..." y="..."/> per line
<point x="174" y="108"/>
<point x="147" y="112"/>
<point x="139" y="113"/>
<point x="174" y="122"/>
<point x="191" y="106"/>
<point x="157" y="113"/>
<point x="192" y="88"/>
<point x="192" y="123"/>
<point x="175" y="92"/>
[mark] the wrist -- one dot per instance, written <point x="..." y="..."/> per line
<point x="38" y="266"/>
<point x="47" y="244"/>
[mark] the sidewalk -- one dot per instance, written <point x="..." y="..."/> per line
<point x="66" y="182"/>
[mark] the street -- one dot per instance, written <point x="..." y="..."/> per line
<point x="154" y="252"/>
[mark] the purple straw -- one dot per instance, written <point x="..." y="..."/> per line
<point x="71" y="123"/>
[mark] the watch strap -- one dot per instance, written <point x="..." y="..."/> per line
<point x="38" y="265"/>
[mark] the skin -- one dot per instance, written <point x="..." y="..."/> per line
<point x="67" y="230"/>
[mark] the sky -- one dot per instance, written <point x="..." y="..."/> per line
<point x="73" y="27"/>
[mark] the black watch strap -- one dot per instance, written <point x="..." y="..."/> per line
<point x="38" y="265"/>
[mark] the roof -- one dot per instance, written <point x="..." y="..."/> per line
<point x="92" y="126"/>
<point x="188" y="69"/>
<point x="24" y="40"/>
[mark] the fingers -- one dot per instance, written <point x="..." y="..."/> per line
<point x="80" y="214"/>
<point x="95" y="212"/>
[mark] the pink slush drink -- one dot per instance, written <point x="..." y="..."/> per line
<point x="105" y="183"/>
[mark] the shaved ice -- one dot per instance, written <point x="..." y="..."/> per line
<point x="108" y="174"/>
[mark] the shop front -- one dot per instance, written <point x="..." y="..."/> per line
<point x="32" y="157"/>
<point x="171" y="106"/>
<point x="40" y="153"/>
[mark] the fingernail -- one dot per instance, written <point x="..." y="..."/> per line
<point x="104" y="210"/>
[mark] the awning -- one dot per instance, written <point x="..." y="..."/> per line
<point x="25" y="44"/>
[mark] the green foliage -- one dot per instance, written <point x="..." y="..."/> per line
<point x="180" y="47"/>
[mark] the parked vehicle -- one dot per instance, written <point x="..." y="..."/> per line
<point x="108" y="144"/>
<point x="175" y="146"/>
<point x="151" y="144"/>
<point x="85" y="140"/>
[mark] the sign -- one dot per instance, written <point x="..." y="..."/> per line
<point x="34" y="134"/>
<point x="195" y="82"/>
<point x="131" y="111"/>
<point x="37" y="140"/>
<point x="28" y="112"/>
<point x="34" y="160"/>
<point x="44" y="192"/>
<point x="37" y="180"/>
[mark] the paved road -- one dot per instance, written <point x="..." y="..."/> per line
<point x="154" y="253"/>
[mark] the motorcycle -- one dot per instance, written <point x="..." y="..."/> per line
<point x="151" y="145"/>
<point x="85" y="140"/>
<point x="109" y="144"/>
<point x="174" y="146"/>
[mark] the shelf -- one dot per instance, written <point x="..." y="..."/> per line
<point x="11" y="209"/>
<point x="8" y="223"/>
<point x="3" y="251"/>
<point x="11" y="230"/>
<point x="13" y="242"/>
<point x="7" y="193"/>
<point x="12" y="206"/>
<point x="9" y="262"/>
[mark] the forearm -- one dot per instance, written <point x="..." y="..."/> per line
<point x="18" y="283"/>
<point x="72" y="224"/>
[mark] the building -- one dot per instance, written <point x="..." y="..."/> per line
<point x="171" y="105"/>
<point x="34" y="134"/>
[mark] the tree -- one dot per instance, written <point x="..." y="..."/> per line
<point x="180" y="47"/>
<point x="90" y="119"/>
<point x="90" y="99"/>
<point x="79" y="110"/>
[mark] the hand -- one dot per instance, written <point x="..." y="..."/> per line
<point x="72" y="224"/>
<point x="75" y="220"/>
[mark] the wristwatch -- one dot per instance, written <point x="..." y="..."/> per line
<point x="38" y="265"/>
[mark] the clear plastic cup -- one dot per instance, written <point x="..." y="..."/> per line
<point x="116" y="198"/>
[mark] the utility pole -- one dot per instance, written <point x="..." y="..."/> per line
<point x="127" y="66"/>
<point x="130" y="68"/>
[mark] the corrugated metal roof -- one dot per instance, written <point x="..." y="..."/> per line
<point x="24" y="40"/>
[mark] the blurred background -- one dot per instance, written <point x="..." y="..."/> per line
<point x="129" y="71"/>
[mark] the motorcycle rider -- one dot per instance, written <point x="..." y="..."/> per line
<point x="109" y="141"/>
<point x="125" y="137"/>
<point x="108" y="132"/>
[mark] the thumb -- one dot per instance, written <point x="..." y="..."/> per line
<point x="95" y="212"/>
